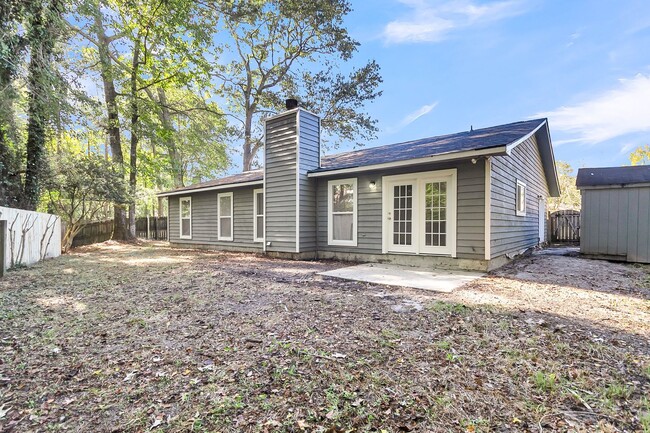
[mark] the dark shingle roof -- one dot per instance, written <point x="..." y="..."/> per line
<point x="613" y="176"/>
<point x="247" y="176"/>
<point x="478" y="139"/>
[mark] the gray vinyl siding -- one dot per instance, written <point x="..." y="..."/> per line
<point x="280" y="183"/>
<point x="309" y="160"/>
<point x="204" y="219"/>
<point x="511" y="233"/>
<point x="470" y="209"/>
<point x="616" y="222"/>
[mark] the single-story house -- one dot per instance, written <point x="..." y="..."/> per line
<point x="615" y="213"/>
<point x="470" y="200"/>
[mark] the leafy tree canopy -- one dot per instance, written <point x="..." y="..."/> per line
<point x="641" y="155"/>
<point x="569" y="194"/>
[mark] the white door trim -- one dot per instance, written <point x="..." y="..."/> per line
<point x="418" y="180"/>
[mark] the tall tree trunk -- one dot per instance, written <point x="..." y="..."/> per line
<point x="120" y="223"/>
<point x="133" y="155"/>
<point x="42" y="36"/>
<point x="36" y="112"/>
<point x="249" y="154"/>
<point x="11" y="187"/>
<point x="174" y="156"/>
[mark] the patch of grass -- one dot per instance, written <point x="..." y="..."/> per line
<point x="449" y="308"/>
<point x="545" y="382"/>
<point x="388" y="338"/>
<point x="617" y="391"/>
<point x="7" y="315"/>
<point x="443" y="344"/>
<point x="228" y="405"/>
<point x="645" y="422"/>
<point x="137" y="323"/>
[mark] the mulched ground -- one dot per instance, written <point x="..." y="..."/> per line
<point x="128" y="338"/>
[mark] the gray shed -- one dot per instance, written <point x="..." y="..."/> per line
<point x="615" y="215"/>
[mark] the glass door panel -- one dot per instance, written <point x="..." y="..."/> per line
<point x="402" y="227"/>
<point x="435" y="214"/>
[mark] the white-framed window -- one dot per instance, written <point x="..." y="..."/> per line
<point x="185" y="214"/>
<point x="225" y="216"/>
<point x="258" y="215"/>
<point x="520" y="199"/>
<point x="342" y="212"/>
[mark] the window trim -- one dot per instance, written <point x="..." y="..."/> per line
<point x="330" y="213"/>
<point x="256" y="214"/>
<point x="520" y="212"/>
<point x="232" y="217"/>
<point x="180" y="217"/>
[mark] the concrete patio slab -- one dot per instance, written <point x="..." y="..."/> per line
<point x="404" y="276"/>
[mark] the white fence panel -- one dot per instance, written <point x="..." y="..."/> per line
<point x="30" y="237"/>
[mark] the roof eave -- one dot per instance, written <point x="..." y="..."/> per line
<point x="452" y="156"/>
<point x="618" y="185"/>
<point x="210" y="188"/>
<point x="543" y="133"/>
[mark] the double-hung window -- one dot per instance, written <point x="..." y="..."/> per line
<point x="520" y="199"/>
<point x="225" y="217"/>
<point x="342" y="212"/>
<point x="258" y="213"/>
<point x="185" y="204"/>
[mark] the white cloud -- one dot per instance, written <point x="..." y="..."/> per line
<point x="627" y="148"/>
<point x="433" y="20"/>
<point x="614" y="113"/>
<point x="412" y="117"/>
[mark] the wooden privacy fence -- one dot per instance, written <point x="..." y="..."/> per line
<point x="565" y="226"/>
<point x="100" y="231"/>
<point x="95" y="232"/>
<point x="151" y="228"/>
<point x="27" y="237"/>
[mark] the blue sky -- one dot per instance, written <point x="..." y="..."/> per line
<point x="447" y="65"/>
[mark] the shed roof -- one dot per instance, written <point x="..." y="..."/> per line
<point x="603" y="176"/>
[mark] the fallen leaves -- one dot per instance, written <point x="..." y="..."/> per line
<point x="234" y="342"/>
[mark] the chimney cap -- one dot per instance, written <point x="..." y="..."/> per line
<point x="291" y="103"/>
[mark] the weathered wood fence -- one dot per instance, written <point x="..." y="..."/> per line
<point x="95" y="232"/>
<point x="27" y="237"/>
<point x="151" y="228"/>
<point x="145" y="228"/>
<point x="565" y="226"/>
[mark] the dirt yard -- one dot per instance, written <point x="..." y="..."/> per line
<point x="116" y="338"/>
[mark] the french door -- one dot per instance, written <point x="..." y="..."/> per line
<point x="420" y="213"/>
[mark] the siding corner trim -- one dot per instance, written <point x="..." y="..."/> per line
<point x="488" y="208"/>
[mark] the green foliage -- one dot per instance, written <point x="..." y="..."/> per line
<point x="641" y="155"/>
<point x="617" y="391"/>
<point x="79" y="187"/>
<point x="177" y="81"/>
<point x="290" y="47"/>
<point x="569" y="194"/>
<point x="545" y="382"/>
